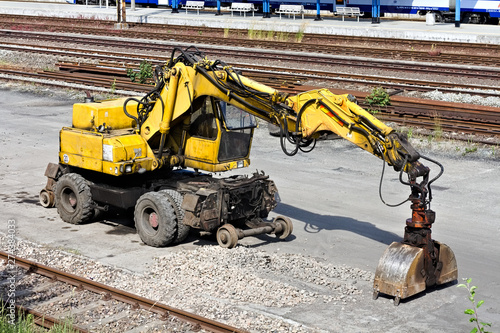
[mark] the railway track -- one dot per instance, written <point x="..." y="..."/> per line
<point x="20" y="21"/>
<point x="113" y="297"/>
<point x="448" y="72"/>
<point x="111" y="72"/>
<point x="464" y="120"/>
<point x="339" y="45"/>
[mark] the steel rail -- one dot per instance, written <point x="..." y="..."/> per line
<point x="330" y="48"/>
<point x="120" y="295"/>
<point x="472" y="115"/>
<point x="386" y="82"/>
<point x="292" y="76"/>
<point x="63" y="21"/>
<point x="442" y="69"/>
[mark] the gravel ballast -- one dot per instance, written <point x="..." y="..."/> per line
<point x="241" y="286"/>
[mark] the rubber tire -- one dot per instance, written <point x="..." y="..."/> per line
<point x="166" y="231"/>
<point x="182" y="229"/>
<point x="74" y="185"/>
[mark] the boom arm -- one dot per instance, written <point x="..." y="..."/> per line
<point x="302" y="117"/>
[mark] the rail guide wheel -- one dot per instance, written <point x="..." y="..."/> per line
<point x="227" y="236"/>
<point x="47" y="199"/>
<point x="286" y="227"/>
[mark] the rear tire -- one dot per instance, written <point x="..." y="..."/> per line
<point x="155" y="219"/>
<point x="73" y="199"/>
<point x="182" y="229"/>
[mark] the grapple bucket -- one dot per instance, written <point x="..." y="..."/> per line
<point x="401" y="270"/>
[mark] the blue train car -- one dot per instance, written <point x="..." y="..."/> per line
<point x="311" y="4"/>
<point x="472" y="11"/>
<point x="153" y="3"/>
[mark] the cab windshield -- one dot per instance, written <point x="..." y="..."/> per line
<point x="237" y="136"/>
<point x="236" y="118"/>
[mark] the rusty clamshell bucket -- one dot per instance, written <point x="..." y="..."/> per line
<point x="401" y="273"/>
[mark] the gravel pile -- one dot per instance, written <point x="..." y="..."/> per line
<point x="462" y="98"/>
<point x="241" y="287"/>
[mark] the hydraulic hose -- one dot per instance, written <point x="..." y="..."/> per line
<point x="380" y="186"/>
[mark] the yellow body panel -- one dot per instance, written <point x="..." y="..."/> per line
<point x="203" y="150"/>
<point x="168" y="121"/>
<point x="124" y="148"/>
<point x="203" y="154"/>
<point x="81" y="148"/>
<point x="110" y="113"/>
<point x="107" y="153"/>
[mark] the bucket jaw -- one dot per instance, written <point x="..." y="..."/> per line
<point x="404" y="270"/>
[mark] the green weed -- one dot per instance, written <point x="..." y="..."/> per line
<point x="270" y="35"/>
<point x="26" y="324"/>
<point x="474" y="317"/>
<point x="300" y="34"/>
<point x="145" y="72"/>
<point x="113" y="86"/>
<point x="469" y="150"/>
<point x="378" y="96"/>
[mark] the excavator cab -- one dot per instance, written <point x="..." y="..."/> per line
<point x="219" y="136"/>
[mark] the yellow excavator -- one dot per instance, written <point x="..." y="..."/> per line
<point x="155" y="155"/>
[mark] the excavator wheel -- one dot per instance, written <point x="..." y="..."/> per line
<point x="286" y="225"/>
<point x="155" y="219"/>
<point x="73" y="199"/>
<point x="182" y="229"/>
<point x="227" y="236"/>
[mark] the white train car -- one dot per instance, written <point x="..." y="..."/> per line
<point x="472" y="11"/>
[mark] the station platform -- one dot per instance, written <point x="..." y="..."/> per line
<point x="388" y="28"/>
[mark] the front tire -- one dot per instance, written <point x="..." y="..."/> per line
<point x="155" y="219"/>
<point x="73" y="199"/>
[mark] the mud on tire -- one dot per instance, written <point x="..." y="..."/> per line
<point x="73" y="199"/>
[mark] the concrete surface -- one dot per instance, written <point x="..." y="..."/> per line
<point x="331" y="195"/>
<point x="387" y="28"/>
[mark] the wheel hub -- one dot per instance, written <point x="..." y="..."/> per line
<point x="72" y="200"/>
<point x="153" y="220"/>
<point x="223" y="237"/>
